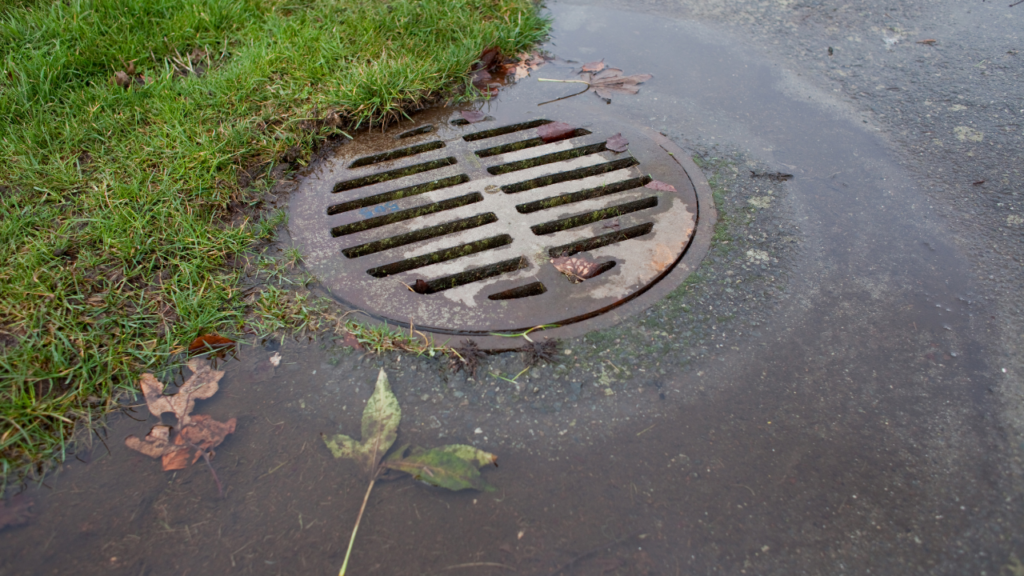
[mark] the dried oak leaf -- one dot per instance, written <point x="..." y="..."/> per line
<point x="472" y="116"/>
<point x="205" y="433"/>
<point x="659" y="185"/>
<point x="611" y="81"/>
<point x="201" y="385"/>
<point x="527" y="63"/>
<point x="617" y="143"/>
<point x="210" y="341"/>
<point x="593" y="66"/>
<point x="576" y="268"/>
<point x="555" y="131"/>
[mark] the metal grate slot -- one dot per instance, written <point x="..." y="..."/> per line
<point x="582" y="195"/>
<point x="595" y="216"/>
<point x="397" y="194"/>
<point x="504" y="130"/>
<point x="548" y="159"/>
<point x="420" y="235"/>
<point x="602" y="240"/>
<point x="440" y="256"/>
<point x="425" y="129"/>
<point x="409" y="214"/>
<point x="570" y="175"/>
<point x="532" y="289"/>
<point x="475" y="275"/>
<point x="396" y="154"/>
<point x="392" y="174"/>
<point x="524" y="144"/>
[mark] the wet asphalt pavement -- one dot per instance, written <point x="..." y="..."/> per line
<point x="837" y="391"/>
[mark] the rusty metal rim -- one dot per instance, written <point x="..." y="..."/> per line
<point x="707" y="217"/>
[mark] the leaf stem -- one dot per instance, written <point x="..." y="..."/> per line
<point x="355" y="529"/>
<point x="566" y="81"/>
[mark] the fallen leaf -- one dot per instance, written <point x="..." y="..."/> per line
<point x="593" y="66"/>
<point x="420" y="286"/>
<point x="659" y="185"/>
<point x="611" y="81"/>
<point x="978" y="183"/>
<point x="211" y="341"/>
<point x="200" y="386"/>
<point x="156" y="444"/>
<point x="471" y="454"/>
<point x="438" y="467"/>
<point x="576" y="268"/>
<point x="122" y="79"/>
<point x="205" y="433"/>
<point x="472" y="116"/>
<point x="617" y="143"/>
<point x="178" y="460"/>
<point x="379" y="431"/>
<point x="275" y="359"/>
<point x="929" y="41"/>
<point x="555" y="131"/>
<point x="527" y="63"/>
<point x="15" y="511"/>
<point x="350" y="340"/>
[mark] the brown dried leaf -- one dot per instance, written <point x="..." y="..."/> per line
<point x="420" y="286"/>
<point x="593" y="66"/>
<point x="156" y="444"/>
<point x="611" y="81"/>
<point x="659" y="185"/>
<point x="200" y="386"/>
<point x="617" y="143"/>
<point x="929" y="41"/>
<point x="205" y="433"/>
<point x="210" y="341"/>
<point x="179" y="459"/>
<point x="555" y="131"/>
<point x="122" y="79"/>
<point x="527" y="63"/>
<point x="576" y="268"/>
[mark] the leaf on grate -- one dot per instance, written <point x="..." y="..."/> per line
<point x="472" y="116"/>
<point x="611" y="81"/>
<point x="576" y="268"/>
<point x="420" y="286"/>
<point x="617" y="143"/>
<point x="593" y="66"/>
<point x="659" y="185"/>
<point x="555" y="131"/>
<point x="210" y="341"/>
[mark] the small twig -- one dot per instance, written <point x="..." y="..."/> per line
<point x="569" y="96"/>
<point x="1017" y="2"/>
<point x="206" y="458"/>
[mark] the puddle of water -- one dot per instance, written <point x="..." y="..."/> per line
<point x="846" y="437"/>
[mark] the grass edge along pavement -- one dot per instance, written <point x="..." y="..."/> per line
<point x="137" y="144"/>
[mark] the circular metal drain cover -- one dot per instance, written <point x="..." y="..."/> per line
<point x="453" y="228"/>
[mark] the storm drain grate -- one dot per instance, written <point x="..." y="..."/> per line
<point x="454" y="227"/>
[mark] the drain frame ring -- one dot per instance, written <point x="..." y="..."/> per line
<point x="699" y="243"/>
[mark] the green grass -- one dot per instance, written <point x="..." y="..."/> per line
<point x="122" y="210"/>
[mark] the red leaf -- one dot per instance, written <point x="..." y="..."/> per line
<point x="659" y="185"/>
<point x="472" y="116"/>
<point x="617" y="143"/>
<point x="555" y="131"/>
<point x="593" y="66"/>
<point x="210" y="341"/>
<point x="577" y="268"/>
